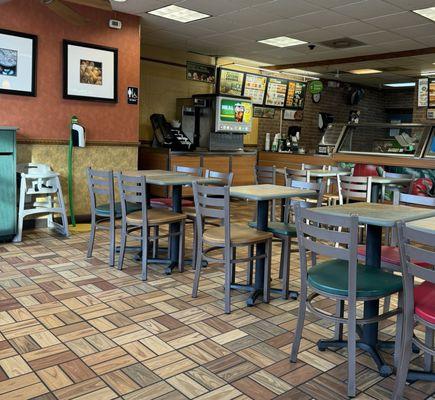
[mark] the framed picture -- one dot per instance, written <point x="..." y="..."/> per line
<point x="293" y="115"/>
<point x="200" y="72"/>
<point x="90" y="72"/>
<point x="431" y="93"/>
<point x="264" y="112"/>
<point x="230" y="82"/>
<point x="18" y="63"/>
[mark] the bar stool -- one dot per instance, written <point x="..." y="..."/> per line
<point x="39" y="182"/>
<point x="133" y="190"/>
<point x="419" y="301"/>
<point x="214" y="202"/>
<point x="339" y="278"/>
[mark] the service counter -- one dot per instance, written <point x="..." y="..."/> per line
<point x="241" y="163"/>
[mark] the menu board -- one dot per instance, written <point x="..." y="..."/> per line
<point x="296" y="95"/>
<point x="231" y="82"/>
<point x="276" y="91"/>
<point x="255" y="88"/>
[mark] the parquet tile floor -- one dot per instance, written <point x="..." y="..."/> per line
<point x="73" y="328"/>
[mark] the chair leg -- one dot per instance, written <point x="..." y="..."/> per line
<point x="91" y="238"/>
<point x="351" y="350"/>
<point x="156" y="242"/>
<point x="339" y="312"/>
<point x="228" y="279"/>
<point x="198" y="267"/>
<point x="144" y="275"/>
<point x="429" y="341"/>
<point x="112" y="243"/>
<point x="233" y="266"/>
<point x="405" y="357"/>
<point x="194" y="245"/>
<point x="399" y="332"/>
<point x="387" y="302"/>
<point x="285" y="250"/>
<point x="181" y="240"/>
<point x="281" y="261"/>
<point x="62" y="206"/>
<point x="19" y="234"/>
<point x="250" y="269"/>
<point x="300" y="324"/>
<point x="122" y="247"/>
<point x="267" y="272"/>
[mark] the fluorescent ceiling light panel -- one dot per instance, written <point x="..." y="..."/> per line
<point x="365" y="71"/>
<point x="179" y="14"/>
<point x="400" y="84"/>
<point x="281" y="41"/>
<point x="427" y="13"/>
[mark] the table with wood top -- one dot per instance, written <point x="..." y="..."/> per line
<point x="177" y="180"/>
<point x="426" y="225"/>
<point x="262" y="194"/>
<point x="379" y="181"/>
<point x="376" y="216"/>
<point x="319" y="174"/>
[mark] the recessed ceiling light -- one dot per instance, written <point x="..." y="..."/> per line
<point x="426" y="73"/>
<point x="179" y="14"/>
<point x="427" y="13"/>
<point x="281" y="41"/>
<point x="364" y="71"/>
<point x="400" y="84"/>
<point x="120" y="1"/>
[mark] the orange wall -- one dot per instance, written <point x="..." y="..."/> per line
<point x="47" y="116"/>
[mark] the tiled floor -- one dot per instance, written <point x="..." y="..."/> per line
<point x="72" y="327"/>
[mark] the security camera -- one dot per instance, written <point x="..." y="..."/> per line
<point x="311" y="46"/>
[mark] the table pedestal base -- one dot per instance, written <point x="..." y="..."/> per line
<point x="420" y="376"/>
<point x="256" y="293"/>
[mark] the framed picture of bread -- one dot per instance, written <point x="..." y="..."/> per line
<point x="90" y="72"/>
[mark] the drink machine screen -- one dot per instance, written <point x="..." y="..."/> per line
<point x="233" y="115"/>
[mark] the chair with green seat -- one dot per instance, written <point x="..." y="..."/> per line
<point x="100" y="185"/>
<point x="285" y="231"/>
<point x="340" y="278"/>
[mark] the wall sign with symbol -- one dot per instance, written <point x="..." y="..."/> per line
<point x="315" y="87"/>
<point x="132" y="95"/>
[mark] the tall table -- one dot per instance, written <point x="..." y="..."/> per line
<point x="319" y="174"/>
<point x="177" y="181"/>
<point x="376" y="216"/>
<point x="262" y="194"/>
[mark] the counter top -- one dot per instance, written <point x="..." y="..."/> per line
<point x="201" y="151"/>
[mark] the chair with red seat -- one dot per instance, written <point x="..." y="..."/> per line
<point x="418" y="304"/>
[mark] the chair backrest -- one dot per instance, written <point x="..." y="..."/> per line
<point x="212" y="202"/>
<point x="304" y="202"/>
<point x="196" y="171"/>
<point x="356" y="188"/>
<point x="395" y="175"/>
<point x="417" y="253"/>
<point x="265" y="175"/>
<point x="132" y="189"/>
<point x="319" y="233"/>
<point x="296" y="175"/>
<point x="101" y="189"/>
<point x="312" y="166"/>
<point x="226" y="178"/>
<point x="412" y="199"/>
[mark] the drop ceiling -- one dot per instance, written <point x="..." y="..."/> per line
<point x="235" y="26"/>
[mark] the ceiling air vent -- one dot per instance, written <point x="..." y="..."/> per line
<point x="342" y="43"/>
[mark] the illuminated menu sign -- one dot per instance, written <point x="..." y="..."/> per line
<point x="231" y="82"/>
<point x="255" y="88"/>
<point x="276" y="91"/>
<point x="295" y="95"/>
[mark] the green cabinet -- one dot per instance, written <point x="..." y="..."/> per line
<point x="8" y="185"/>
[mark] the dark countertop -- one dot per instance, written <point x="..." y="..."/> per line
<point x="216" y="153"/>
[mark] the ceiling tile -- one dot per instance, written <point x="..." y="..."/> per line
<point x="352" y="28"/>
<point x="287" y="9"/>
<point x="393" y="21"/>
<point x="330" y="3"/>
<point x="367" y="9"/>
<point x="315" y="35"/>
<point x="412" y="4"/>
<point x="323" y="19"/>
<point x="416" y="31"/>
<point x="378" y="37"/>
<point x="139" y="6"/>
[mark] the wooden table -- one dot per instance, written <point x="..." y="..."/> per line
<point x="177" y="181"/>
<point x="151" y="172"/>
<point x="426" y="225"/>
<point x="379" y="181"/>
<point x="262" y="194"/>
<point x="376" y="216"/>
<point x="319" y="174"/>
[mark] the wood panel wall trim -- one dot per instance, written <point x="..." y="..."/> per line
<point x="65" y="142"/>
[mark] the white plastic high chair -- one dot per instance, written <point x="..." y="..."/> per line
<point x="40" y="193"/>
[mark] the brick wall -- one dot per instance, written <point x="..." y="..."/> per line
<point x="334" y="101"/>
